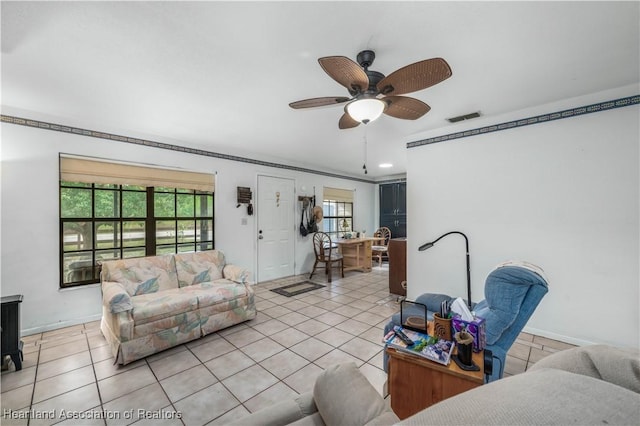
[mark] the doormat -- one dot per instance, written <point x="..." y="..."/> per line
<point x="297" y="288"/>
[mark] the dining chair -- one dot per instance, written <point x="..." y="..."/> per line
<point x="382" y="249"/>
<point x="325" y="253"/>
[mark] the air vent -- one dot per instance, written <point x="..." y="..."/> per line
<point x="464" y="117"/>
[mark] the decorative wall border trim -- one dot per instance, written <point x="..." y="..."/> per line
<point x="381" y="182"/>
<point x="109" y="136"/>
<point x="543" y="118"/>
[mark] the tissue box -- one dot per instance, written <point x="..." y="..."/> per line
<point x="477" y="328"/>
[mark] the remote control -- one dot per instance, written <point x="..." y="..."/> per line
<point x="404" y="337"/>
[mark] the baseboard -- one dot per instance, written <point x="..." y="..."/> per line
<point x="559" y="337"/>
<point x="61" y="324"/>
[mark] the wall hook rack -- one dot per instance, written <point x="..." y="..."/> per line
<point x="244" y="197"/>
<point x="306" y="199"/>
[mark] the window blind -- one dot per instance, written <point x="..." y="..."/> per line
<point x="77" y="169"/>
<point x="337" y="194"/>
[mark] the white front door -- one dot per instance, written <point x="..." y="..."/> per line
<point x="276" y="228"/>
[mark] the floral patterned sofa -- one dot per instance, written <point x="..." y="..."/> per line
<point x="153" y="303"/>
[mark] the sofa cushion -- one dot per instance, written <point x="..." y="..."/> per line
<point x="384" y="419"/>
<point x="183" y="322"/>
<point x="153" y="306"/>
<point x="199" y="267"/>
<point x="210" y="293"/>
<point x="336" y="400"/>
<point x="314" y="419"/>
<point x="142" y="275"/>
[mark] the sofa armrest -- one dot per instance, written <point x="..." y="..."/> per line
<point x="119" y="327"/>
<point x="620" y="366"/>
<point x="280" y="414"/>
<point x="115" y="298"/>
<point x="536" y="397"/>
<point x="235" y="273"/>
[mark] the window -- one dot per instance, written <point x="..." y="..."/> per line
<point x="337" y="209"/>
<point x="104" y="221"/>
<point x="183" y="220"/>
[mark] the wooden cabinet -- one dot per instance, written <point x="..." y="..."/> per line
<point x="416" y="383"/>
<point x="393" y="208"/>
<point x="397" y="266"/>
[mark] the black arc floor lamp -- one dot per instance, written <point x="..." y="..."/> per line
<point x="429" y="245"/>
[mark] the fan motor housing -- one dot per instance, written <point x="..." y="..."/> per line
<point x="374" y="79"/>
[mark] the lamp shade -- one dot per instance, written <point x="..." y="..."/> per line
<point x="366" y="110"/>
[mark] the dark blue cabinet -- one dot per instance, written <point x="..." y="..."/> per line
<point x="393" y="208"/>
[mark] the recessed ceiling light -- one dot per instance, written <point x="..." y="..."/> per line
<point x="385" y="165"/>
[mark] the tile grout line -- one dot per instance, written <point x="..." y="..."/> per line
<point x="148" y="364"/>
<point x="93" y="368"/>
<point x="35" y="380"/>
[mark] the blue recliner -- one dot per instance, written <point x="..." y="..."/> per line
<point x="512" y="292"/>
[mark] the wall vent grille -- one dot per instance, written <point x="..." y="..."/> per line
<point x="464" y="117"/>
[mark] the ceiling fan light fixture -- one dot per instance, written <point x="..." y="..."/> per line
<point x="366" y="110"/>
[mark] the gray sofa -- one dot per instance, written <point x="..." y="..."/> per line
<point x="584" y="386"/>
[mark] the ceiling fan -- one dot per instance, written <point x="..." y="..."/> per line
<point x="372" y="93"/>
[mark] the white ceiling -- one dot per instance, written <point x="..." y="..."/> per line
<point x="220" y="75"/>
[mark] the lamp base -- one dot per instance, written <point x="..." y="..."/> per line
<point x="463" y="366"/>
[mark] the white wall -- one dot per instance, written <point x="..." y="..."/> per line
<point x="563" y="195"/>
<point x="30" y="218"/>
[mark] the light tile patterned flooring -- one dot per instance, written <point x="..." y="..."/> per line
<point x="221" y="376"/>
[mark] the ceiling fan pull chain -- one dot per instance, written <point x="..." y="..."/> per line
<point x="364" y="166"/>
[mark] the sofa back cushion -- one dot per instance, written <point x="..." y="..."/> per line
<point x="199" y="267"/>
<point x="142" y="275"/>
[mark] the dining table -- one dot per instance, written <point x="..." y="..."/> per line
<point x="356" y="253"/>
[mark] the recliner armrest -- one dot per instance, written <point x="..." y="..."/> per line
<point x="115" y="297"/>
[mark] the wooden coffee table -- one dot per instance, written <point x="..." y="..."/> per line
<point x="416" y="383"/>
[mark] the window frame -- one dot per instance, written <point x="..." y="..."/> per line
<point x="328" y="217"/>
<point x="119" y="247"/>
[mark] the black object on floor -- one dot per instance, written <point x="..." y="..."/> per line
<point x="297" y="288"/>
<point x="11" y="343"/>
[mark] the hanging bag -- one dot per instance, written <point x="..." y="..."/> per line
<point x="311" y="222"/>
<point x="303" y="229"/>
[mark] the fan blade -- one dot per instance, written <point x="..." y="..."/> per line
<point x="405" y="108"/>
<point x="346" y="122"/>
<point x="318" y="102"/>
<point x="346" y="72"/>
<point x="415" y="77"/>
